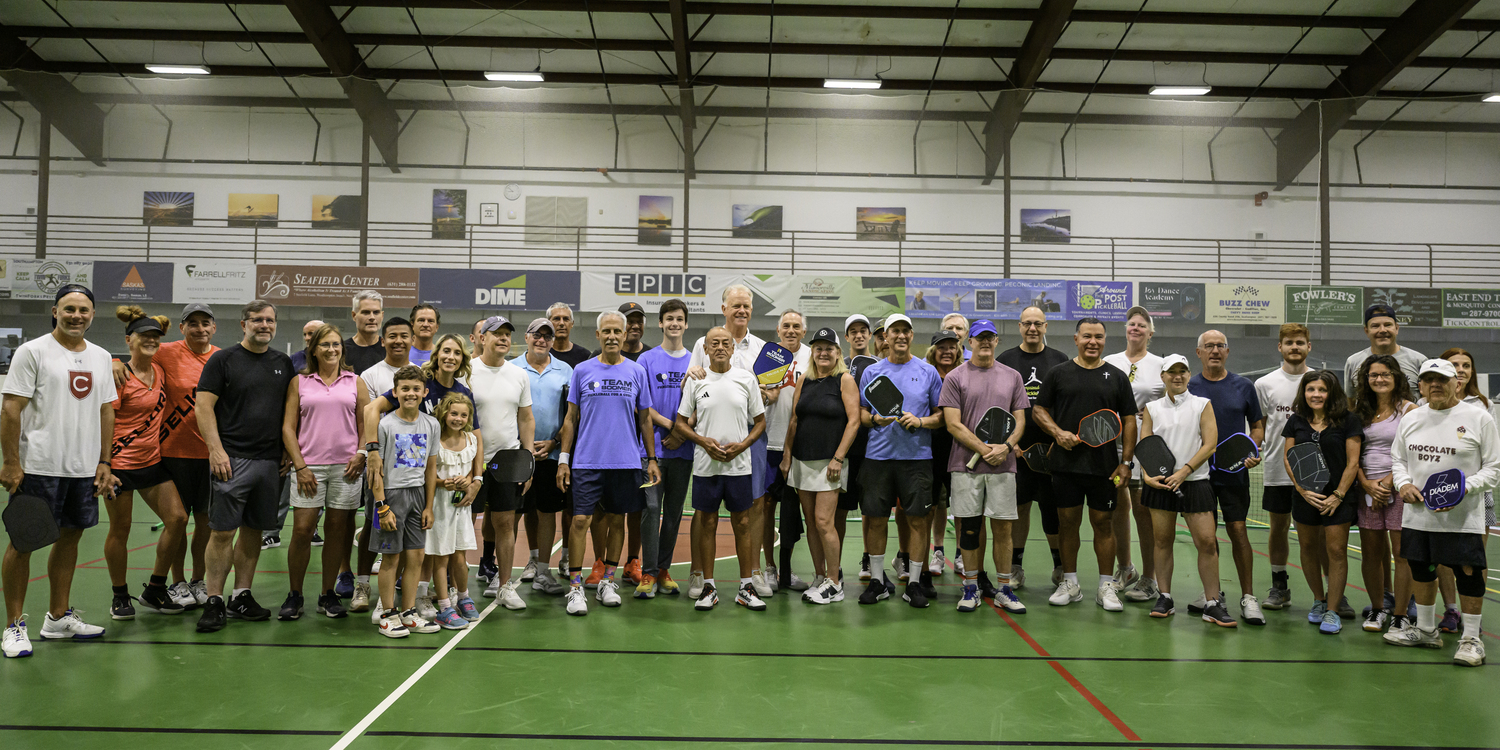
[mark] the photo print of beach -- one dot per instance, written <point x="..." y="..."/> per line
<point x="1046" y="225"/>
<point x="449" y="214"/>
<point x="335" y="212"/>
<point x="756" y="222"/>
<point x="164" y="209"/>
<point x="880" y="223"/>
<point x="253" y="209"/>
<point x="654" y="222"/>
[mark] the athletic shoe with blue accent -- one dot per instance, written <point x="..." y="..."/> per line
<point x="1449" y="623"/>
<point x="449" y="619"/>
<point x="1315" y="615"/>
<point x="467" y="609"/>
<point x="970" y="600"/>
<point x="70" y="625"/>
<point x="16" y="642"/>
<point x="1332" y="623"/>
<point x="344" y="586"/>
<point x="1008" y="600"/>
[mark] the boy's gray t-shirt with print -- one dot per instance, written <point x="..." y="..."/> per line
<point x="406" y="447"/>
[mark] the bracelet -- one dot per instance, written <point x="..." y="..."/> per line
<point x="837" y="458"/>
<point x="295" y="468"/>
<point x="652" y="458"/>
<point x="105" y="463"/>
<point x="564" y="459"/>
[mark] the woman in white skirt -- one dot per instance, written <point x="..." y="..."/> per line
<point x="452" y="531"/>
<point x="824" y="421"/>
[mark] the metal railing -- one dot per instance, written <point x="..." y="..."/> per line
<point x="790" y="251"/>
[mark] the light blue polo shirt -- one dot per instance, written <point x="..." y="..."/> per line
<point x="547" y="405"/>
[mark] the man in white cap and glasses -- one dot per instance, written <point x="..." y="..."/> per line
<point x="502" y="401"/>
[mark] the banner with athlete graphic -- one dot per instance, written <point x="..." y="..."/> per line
<point x="1000" y="299"/>
<point x="1105" y="300"/>
<point x="335" y="286"/>
<point x="39" y="279"/>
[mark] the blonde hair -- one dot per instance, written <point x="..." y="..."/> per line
<point x="454" y="398"/>
<point x="839" y="368"/>
<point x="130" y="313"/>
<point x="429" y="368"/>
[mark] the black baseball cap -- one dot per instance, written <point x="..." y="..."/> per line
<point x="632" y="308"/>
<point x="1379" y="310"/>
<point x="144" y="325"/>
<point x="943" y="335"/>
<point x="826" y="335"/>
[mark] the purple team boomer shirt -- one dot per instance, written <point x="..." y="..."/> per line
<point x="607" y="397"/>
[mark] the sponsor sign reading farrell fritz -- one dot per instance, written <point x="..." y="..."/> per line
<point x="213" y="282"/>
<point x="334" y="285"/>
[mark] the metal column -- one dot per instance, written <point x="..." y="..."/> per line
<point x="43" y="180"/>
<point x="364" y="196"/>
<point x="1326" y="251"/>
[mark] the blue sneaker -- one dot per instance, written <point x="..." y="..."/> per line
<point x="1332" y="623"/>
<point x="344" y="586"/>
<point x="449" y="619"/>
<point x="1315" y="615"/>
<point x="1006" y="598"/>
<point x="467" y="610"/>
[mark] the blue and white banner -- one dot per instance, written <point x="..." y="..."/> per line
<point x="601" y="292"/>
<point x="133" y="282"/>
<point x="489" y="289"/>
<point x="1105" y="300"/>
<point x="1004" y="299"/>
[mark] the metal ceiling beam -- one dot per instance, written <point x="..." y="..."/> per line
<point x="1036" y="50"/>
<point x="69" y="109"/>
<point x="684" y="60"/>
<point x="1419" y="26"/>
<point x="344" y="62"/>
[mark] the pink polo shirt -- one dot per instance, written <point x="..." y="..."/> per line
<point x="325" y="430"/>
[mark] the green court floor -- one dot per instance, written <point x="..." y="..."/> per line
<point x="659" y="674"/>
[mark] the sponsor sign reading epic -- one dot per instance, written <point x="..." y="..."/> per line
<point x="1246" y="303"/>
<point x="213" y="282"/>
<point x="489" y="289"/>
<point x="1325" y="304"/>
<point x="133" y="282"/>
<point x="334" y="286"/>
<point x="607" y="291"/>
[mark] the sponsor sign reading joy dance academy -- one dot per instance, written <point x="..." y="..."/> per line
<point x="133" y="282"/>
<point x="1325" y="304"/>
<point x="1471" y="308"/>
<point x="607" y="291"/>
<point x="1173" y="301"/>
<point x="489" y="289"/>
<point x="334" y="286"/>
<point x="1245" y="303"/>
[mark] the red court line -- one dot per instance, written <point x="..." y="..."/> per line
<point x="91" y="562"/>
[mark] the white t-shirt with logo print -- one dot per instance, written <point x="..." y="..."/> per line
<point x="60" y="429"/>
<point x="725" y="405"/>
<point x="1277" y="391"/>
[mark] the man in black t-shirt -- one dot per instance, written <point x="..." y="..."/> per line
<point x="364" y="348"/>
<point x="1033" y="359"/>
<point x="240" y="405"/>
<point x="1080" y="472"/>
<point x="635" y="328"/>
<point x="560" y="315"/>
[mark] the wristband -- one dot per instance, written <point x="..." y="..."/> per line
<point x="372" y="447"/>
<point x="652" y="458"/>
<point x="105" y="463"/>
<point x="297" y="468"/>
<point x="564" y="459"/>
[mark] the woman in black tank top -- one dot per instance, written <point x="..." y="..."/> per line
<point x="825" y="418"/>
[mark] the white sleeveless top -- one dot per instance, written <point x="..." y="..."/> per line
<point x="456" y="463"/>
<point x="1177" y="424"/>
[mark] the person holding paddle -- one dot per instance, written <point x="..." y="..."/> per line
<point x="984" y="408"/>
<point x="1033" y="359"/>
<point x="1181" y="423"/>
<point x="1277" y="391"/>
<point x="502" y="402"/>
<point x="1380" y="400"/>
<point x="1236" y="405"/>
<point x="1082" y="405"/>
<point x="57" y="414"/>
<point x="1321" y="416"/>
<point x="789" y="331"/>
<point x="945" y="353"/>
<point x="1144" y="370"/>
<point x="1446" y="447"/>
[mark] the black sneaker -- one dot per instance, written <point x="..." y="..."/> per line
<point x="244" y="607"/>
<point x="1163" y="607"/>
<point x="1218" y="615"/>
<point x="488" y="569"/>
<point x="928" y="590"/>
<point x="213" y="618"/>
<point x="332" y="605"/>
<point x="270" y="539"/>
<point x="876" y="591"/>
<point x="987" y="590"/>
<point x="317" y="540"/>
<point x="291" y="609"/>
<point x="1197" y="609"/>
<point x="914" y="595"/>
<point x="120" y="608"/>
<point x="157" y="599"/>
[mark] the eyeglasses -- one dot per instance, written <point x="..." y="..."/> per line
<point x="261" y="321"/>
<point x="1381" y="376"/>
<point x="330" y="345"/>
<point x="1215" y="347"/>
<point x="1033" y="323"/>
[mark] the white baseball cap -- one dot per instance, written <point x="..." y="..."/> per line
<point x="1175" y="359"/>
<point x="856" y="318"/>
<point x="895" y="318"/>
<point x="1440" y="366"/>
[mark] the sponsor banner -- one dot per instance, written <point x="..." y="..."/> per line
<point x="1325" y="304"/>
<point x="39" y="279"/>
<point x="5" y="278"/>
<point x="1105" y="300"/>
<point x="335" y="286"/>
<point x="1246" y="303"/>
<point x="1182" y="302"/>
<point x="1002" y="299"/>
<point x="815" y="295"/>
<point x="607" y="291"/>
<point x="1471" y="308"/>
<point x="133" y="282"/>
<point x="1415" y="306"/>
<point x="213" y="282"/>
<point x="490" y="289"/>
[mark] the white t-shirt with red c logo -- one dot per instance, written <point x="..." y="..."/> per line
<point x="60" y="425"/>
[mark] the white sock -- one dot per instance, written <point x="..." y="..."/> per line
<point x="1278" y="568"/>
<point x="707" y="582"/>
<point x="877" y="565"/>
<point x="744" y="581"/>
<point x="422" y="588"/>
<point x="463" y="594"/>
<point x="363" y="579"/>
<point x="1167" y="594"/>
<point x="1471" y="625"/>
<point x="1106" y="580"/>
<point x="1450" y="607"/>
<point x="444" y="604"/>
<point x="1427" y="617"/>
<point x="1071" y="577"/>
<point x="237" y="592"/>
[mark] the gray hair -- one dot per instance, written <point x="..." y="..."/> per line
<point x="736" y="288"/>
<point x="362" y="296"/>
<point x="562" y="305"/>
<point x="1205" y="333"/>
<point x="960" y="316"/>
<point x="607" y="314"/>
<point x="798" y="313"/>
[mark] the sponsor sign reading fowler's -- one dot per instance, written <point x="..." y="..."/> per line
<point x="488" y="289"/>
<point x="335" y="285"/>
<point x="1325" y="304"/>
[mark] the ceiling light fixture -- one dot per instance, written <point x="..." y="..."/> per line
<point x="1493" y="99"/>
<point x="179" y="70"/>
<point x="529" y="77"/>
<point x="845" y="83"/>
<point x="1180" y="90"/>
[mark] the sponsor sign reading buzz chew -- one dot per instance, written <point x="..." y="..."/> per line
<point x="334" y="286"/>
<point x="213" y="282"/>
<point x="607" y="291"/>
<point x="133" y="282"/>
<point x="1471" y="308"/>
<point x="996" y="299"/>
<point x="39" y="279"/>
<point x="1415" y="306"/>
<point x="1105" y="300"/>
<point x="1246" y="303"/>
<point x="490" y="289"/>
<point x="1325" y="304"/>
<point x="1182" y="302"/>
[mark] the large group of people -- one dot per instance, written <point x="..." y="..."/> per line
<point x="416" y="429"/>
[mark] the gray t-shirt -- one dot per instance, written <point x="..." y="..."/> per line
<point x="1410" y="360"/>
<point x="406" y="447"/>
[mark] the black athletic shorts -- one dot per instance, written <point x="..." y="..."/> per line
<point x="888" y="482"/>
<point x="1032" y="486"/>
<point x="1197" y="497"/>
<point x="497" y="496"/>
<point x="1279" y="499"/>
<point x="544" y="496"/>
<point x="942" y="481"/>
<point x="853" y="497"/>
<point x="143" y="478"/>
<point x="1452" y="548"/>
<point x="1234" y="502"/>
<point x="193" y="480"/>
<point x="1072" y="490"/>
<point x="1304" y="513"/>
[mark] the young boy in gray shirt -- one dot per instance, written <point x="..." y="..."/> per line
<point x="403" y="487"/>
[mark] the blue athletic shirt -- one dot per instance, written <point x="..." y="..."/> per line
<point x="1236" y="407"/>
<point x="608" y="397"/>
<point x="920" y="386"/>
<point x="664" y="375"/>
<point x="547" y="406"/>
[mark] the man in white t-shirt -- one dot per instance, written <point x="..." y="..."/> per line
<point x="789" y="330"/>
<point x="722" y="414"/>
<point x="57" y="415"/>
<point x="395" y="335"/>
<point x="1277" y="391"/>
<point x="502" y="395"/>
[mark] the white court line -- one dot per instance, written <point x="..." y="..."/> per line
<point x="359" y="729"/>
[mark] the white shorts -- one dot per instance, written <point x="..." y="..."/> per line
<point x="333" y="493"/>
<point x="452" y="526"/>
<point x="988" y="495"/>
<point x="813" y="477"/>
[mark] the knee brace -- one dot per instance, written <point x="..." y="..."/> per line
<point x="968" y="532"/>
<point x="1469" y="584"/>
<point x="1423" y="572"/>
<point x="1049" y="519"/>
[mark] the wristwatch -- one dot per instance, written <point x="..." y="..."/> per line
<point x="1128" y="464"/>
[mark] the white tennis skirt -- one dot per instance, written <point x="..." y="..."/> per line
<point x="813" y="476"/>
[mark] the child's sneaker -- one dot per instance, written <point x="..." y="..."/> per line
<point x="392" y="627"/>
<point x="467" y="610"/>
<point x="449" y="619"/>
<point x="425" y="608"/>
<point x="417" y="623"/>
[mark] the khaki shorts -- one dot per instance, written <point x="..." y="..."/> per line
<point x="988" y="495"/>
<point x="333" y="492"/>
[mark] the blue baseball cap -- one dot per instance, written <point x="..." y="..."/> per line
<point x="982" y="326"/>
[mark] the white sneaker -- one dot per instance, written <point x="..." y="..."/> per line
<point x="1067" y="592"/>
<point x="182" y="595"/>
<point x="747" y="598"/>
<point x="608" y="593"/>
<point x="797" y="584"/>
<point x="1470" y="652"/>
<point x="970" y="600"/>
<point x="425" y="609"/>
<point x="1109" y="598"/>
<point x="493" y="588"/>
<point x="1017" y="576"/>
<point x="1414" y="636"/>
<point x="578" y="601"/>
<point x="901" y="565"/>
<point x="376" y="610"/>
<point x="16" y="642"/>
<point x="1006" y="598"/>
<point x="707" y="599"/>
<point x="695" y="584"/>
<point x="546" y="583"/>
<point x="772" y="578"/>
<point x="864" y="567"/>
<point x="375" y="567"/>
<point x="833" y="591"/>
<point x="958" y="566"/>
<point x="758" y="581"/>
<point x="361" y="599"/>
<point x="529" y="573"/>
<point x="1057" y="575"/>
<point x="391" y="627"/>
<point x="562" y="566"/>
<point x="200" y="591"/>
<point x="69" y="626"/>
<point x="938" y="564"/>
<point x="508" y="597"/>
<point x="1126" y="577"/>
<point x="417" y="623"/>
<point x="1251" y="607"/>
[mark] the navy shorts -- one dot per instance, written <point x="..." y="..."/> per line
<point x="734" y="492"/>
<point x="71" y="499"/>
<point x="775" y="482"/>
<point x="760" y="472"/>
<point x="610" y="490"/>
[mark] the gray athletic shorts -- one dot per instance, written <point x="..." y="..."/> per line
<point x="250" y="498"/>
<point x="407" y="503"/>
